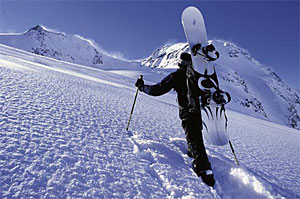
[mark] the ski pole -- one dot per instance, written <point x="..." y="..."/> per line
<point x="236" y="160"/>
<point x="137" y="90"/>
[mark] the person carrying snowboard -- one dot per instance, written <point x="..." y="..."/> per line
<point x="185" y="82"/>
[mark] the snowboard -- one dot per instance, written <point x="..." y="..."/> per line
<point x="214" y="119"/>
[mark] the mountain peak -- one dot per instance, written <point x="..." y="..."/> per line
<point x="37" y="28"/>
<point x="51" y="43"/>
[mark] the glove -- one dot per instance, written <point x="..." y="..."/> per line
<point x="139" y="82"/>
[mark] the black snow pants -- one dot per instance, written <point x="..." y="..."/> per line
<point x="193" y="130"/>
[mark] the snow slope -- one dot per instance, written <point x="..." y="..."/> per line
<point x="62" y="135"/>
<point x="61" y="46"/>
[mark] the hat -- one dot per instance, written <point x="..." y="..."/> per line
<point x="185" y="59"/>
<point x="185" y="56"/>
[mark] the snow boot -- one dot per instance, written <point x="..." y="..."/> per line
<point x="207" y="176"/>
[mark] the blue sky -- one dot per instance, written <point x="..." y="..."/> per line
<point x="269" y="30"/>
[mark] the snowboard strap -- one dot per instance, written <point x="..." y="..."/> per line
<point x="192" y="103"/>
<point x="219" y="98"/>
<point x="210" y="48"/>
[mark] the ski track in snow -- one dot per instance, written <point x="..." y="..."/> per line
<point x="63" y="136"/>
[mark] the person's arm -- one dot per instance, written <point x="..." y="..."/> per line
<point x="158" y="89"/>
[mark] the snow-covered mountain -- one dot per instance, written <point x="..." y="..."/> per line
<point x="62" y="135"/>
<point x="255" y="88"/>
<point x="61" y="46"/>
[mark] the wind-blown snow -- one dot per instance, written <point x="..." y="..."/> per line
<point x="63" y="135"/>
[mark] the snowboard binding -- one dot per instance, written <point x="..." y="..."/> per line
<point x="208" y="52"/>
<point x="219" y="97"/>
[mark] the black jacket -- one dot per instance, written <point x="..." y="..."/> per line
<point x="186" y="86"/>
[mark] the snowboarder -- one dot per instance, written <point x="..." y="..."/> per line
<point x="185" y="82"/>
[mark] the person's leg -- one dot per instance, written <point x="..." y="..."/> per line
<point x="193" y="131"/>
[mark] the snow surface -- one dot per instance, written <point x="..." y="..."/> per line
<point x="62" y="135"/>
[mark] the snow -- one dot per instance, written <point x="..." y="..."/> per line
<point x="62" y="128"/>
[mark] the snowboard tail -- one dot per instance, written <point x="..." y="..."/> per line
<point x="215" y="124"/>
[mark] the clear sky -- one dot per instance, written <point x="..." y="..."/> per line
<point x="269" y="30"/>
